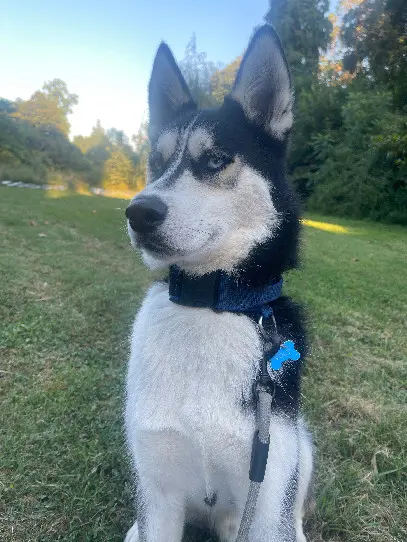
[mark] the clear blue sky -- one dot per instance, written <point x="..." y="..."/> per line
<point x="104" y="49"/>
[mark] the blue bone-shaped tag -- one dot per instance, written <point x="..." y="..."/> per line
<point x="286" y="352"/>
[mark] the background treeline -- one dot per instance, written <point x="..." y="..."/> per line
<point x="35" y="147"/>
<point x="349" y="150"/>
<point x="348" y="154"/>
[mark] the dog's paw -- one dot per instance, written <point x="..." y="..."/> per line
<point x="227" y="527"/>
<point x="133" y="534"/>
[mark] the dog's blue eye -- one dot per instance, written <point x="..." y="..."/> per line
<point x="217" y="162"/>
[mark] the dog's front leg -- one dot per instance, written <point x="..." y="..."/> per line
<point x="163" y="514"/>
<point x="164" y="474"/>
<point x="161" y="517"/>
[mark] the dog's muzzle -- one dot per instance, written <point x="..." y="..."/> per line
<point x="146" y="213"/>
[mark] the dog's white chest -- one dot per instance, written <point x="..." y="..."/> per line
<point x="190" y="369"/>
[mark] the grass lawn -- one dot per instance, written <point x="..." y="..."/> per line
<point x="70" y="286"/>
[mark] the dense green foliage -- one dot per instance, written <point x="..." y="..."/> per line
<point x="376" y="32"/>
<point x="349" y="149"/>
<point x="304" y="30"/>
<point x="30" y="152"/>
<point x="361" y="168"/>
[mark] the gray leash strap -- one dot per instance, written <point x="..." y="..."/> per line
<point x="265" y="398"/>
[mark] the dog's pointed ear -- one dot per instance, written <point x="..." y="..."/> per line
<point x="263" y="84"/>
<point x="168" y="93"/>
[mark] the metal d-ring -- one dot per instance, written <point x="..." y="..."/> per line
<point x="261" y="327"/>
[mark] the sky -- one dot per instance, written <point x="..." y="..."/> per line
<point x="104" y="50"/>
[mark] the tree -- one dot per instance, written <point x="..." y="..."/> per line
<point x="119" y="171"/>
<point x="7" y="106"/>
<point x="142" y="148"/>
<point x="41" y="110"/>
<point x="97" y="149"/>
<point x="198" y="72"/>
<point x="361" y="168"/>
<point x="31" y="151"/>
<point x="375" y="34"/>
<point x="120" y="141"/>
<point x="117" y="137"/>
<point x="57" y="90"/>
<point x="222" y="80"/>
<point x="97" y="138"/>
<point x="304" y="30"/>
<point x="114" y="163"/>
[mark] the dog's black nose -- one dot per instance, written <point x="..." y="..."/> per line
<point x="145" y="213"/>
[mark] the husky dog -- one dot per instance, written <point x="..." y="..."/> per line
<point x="216" y="202"/>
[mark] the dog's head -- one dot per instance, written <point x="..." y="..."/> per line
<point x="216" y="195"/>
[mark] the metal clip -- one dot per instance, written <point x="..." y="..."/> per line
<point x="261" y="327"/>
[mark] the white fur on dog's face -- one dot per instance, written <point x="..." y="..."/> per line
<point x="167" y="144"/>
<point x="213" y="223"/>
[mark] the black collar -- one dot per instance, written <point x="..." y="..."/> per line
<point x="220" y="291"/>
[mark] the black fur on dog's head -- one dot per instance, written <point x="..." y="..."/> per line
<point x="216" y="194"/>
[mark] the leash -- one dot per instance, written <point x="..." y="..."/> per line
<point x="275" y="354"/>
<point x="221" y="292"/>
<point x="264" y="393"/>
<point x="258" y="464"/>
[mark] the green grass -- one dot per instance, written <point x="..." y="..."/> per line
<point x="70" y="288"/>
